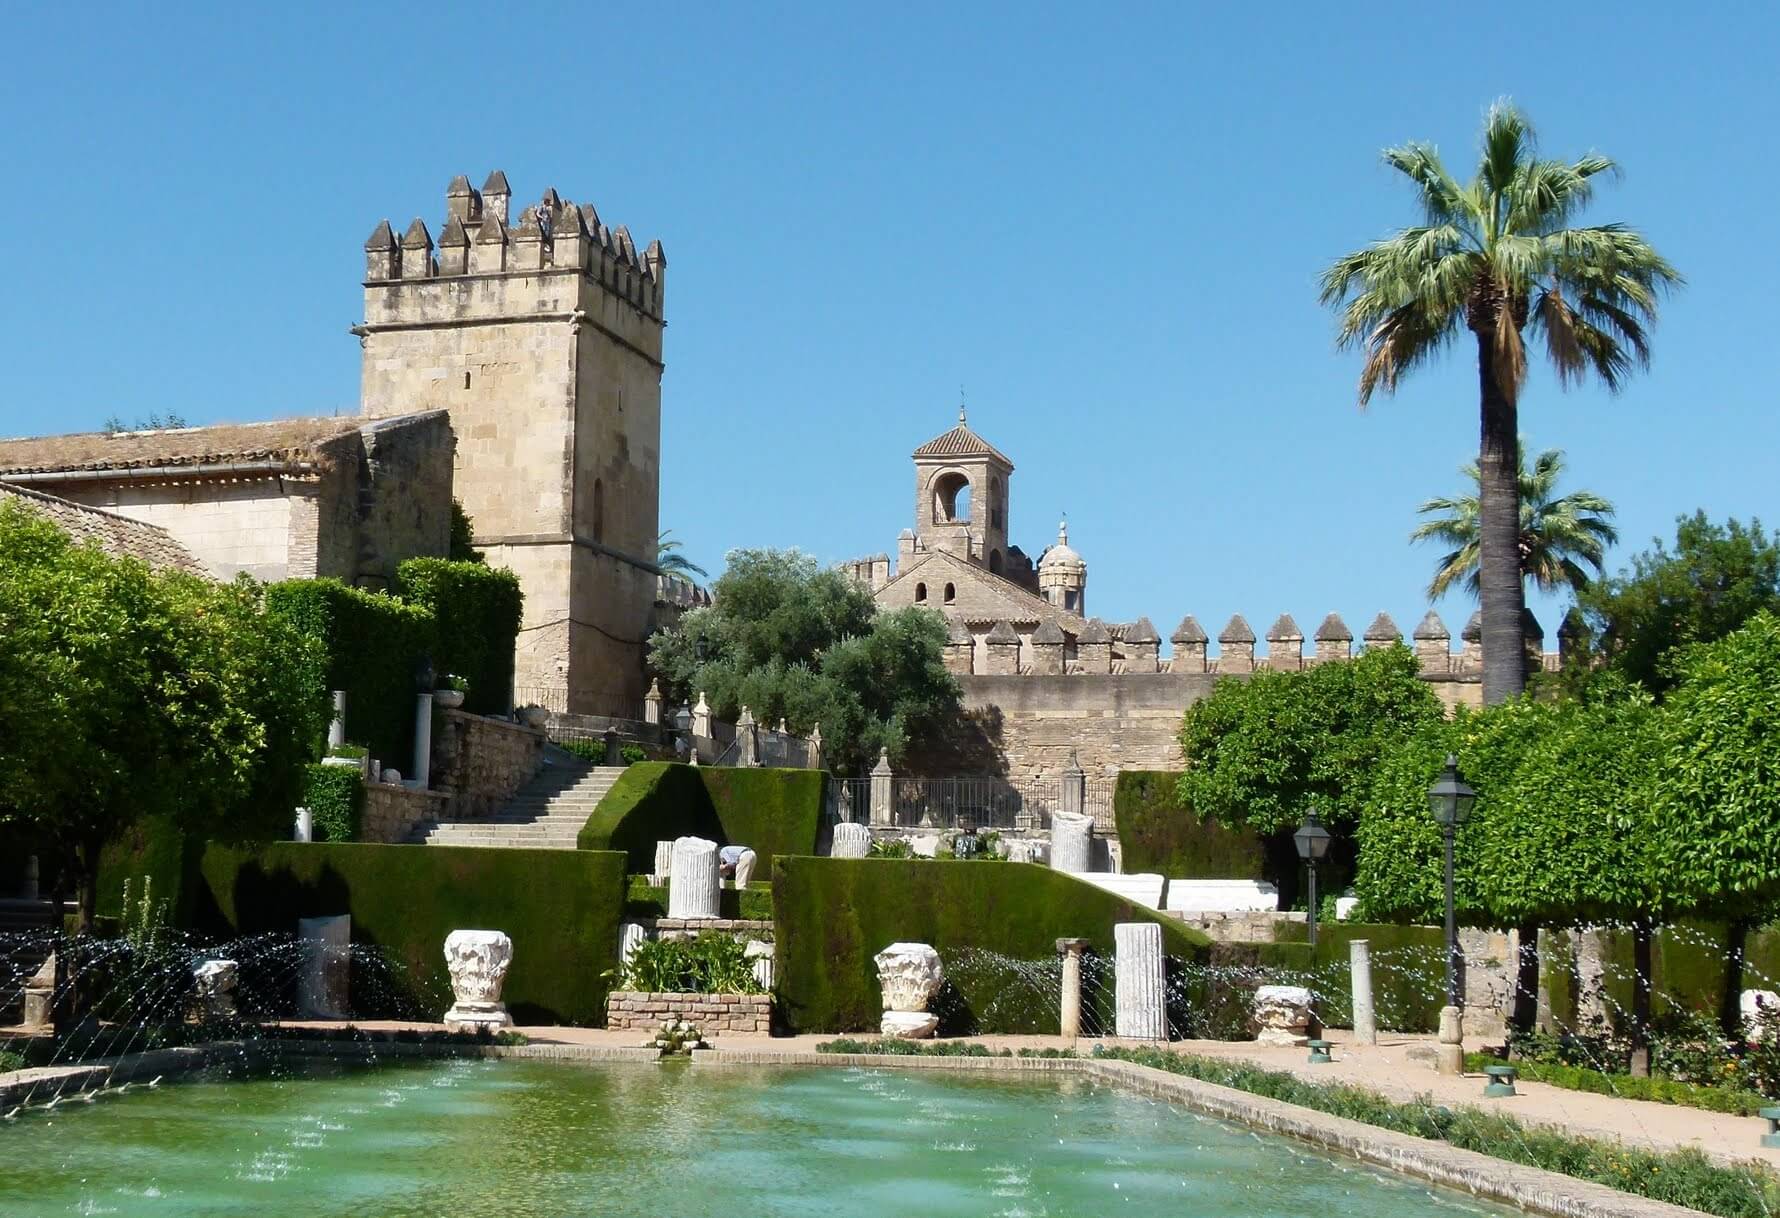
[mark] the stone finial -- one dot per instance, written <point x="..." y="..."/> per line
<point x="1004" y="650"/>
<point x="462" y="202"/>
<point x="1383" y="632"/>
<point x="454" y="248"/>
<point x="1334" y="641"/>
<point x="528" y="243"/>
<point x="1471" y="657"/>
<point x="383" y="257"/>
<point x="1142" y="646"/>
<point x="1093" y="647"/>
<point x="745" y="719"/>
<point x="1473" y="631"/>
<point x="1431" y="627"/>
<point x="496" y="193"/>
<point x="489" y="252"/>
<point x="417" y="251"/>
<point x="1047" y="649"/>
<point x="1433" y="644"/>
<point x="883" y="766"/>
<point x="1285" y="645"/>
<point x="1237" y="646"/>
<point x="1189" y="646"/>
<point x="1142" y="631"/>
<point x="1189" y="631"/>
<point x="960" y="647"/>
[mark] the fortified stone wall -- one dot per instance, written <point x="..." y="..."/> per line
<point x="481" y="763"/>
<point x="392" y="811"/>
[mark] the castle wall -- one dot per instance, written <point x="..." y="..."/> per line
<point x="229" y="527"/>
<point x="402" y="492"/>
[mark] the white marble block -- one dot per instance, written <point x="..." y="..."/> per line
<point x="693" y="890"/>
<point x="327" y="963"/>
<point x="1140" y="888"/>
<point x="664" y="862"/>
<point x="851" y="841"/>
<point x="213" y="983"/>
<point x="1221" y="896"/>
<point x="761" y="953"/>
<point x="909" y="974"/>
<point x="1282" y="1014"/>
<point x="1072" y="843"/>
<point x="631" y="936"/>
<point x="477" y="961"/>
<point x="1140" y="982"/>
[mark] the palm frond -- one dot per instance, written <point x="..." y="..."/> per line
<point x="1442" y="200"/>
<point x="1545" y="194"/>
<point x="1507" y="136"/>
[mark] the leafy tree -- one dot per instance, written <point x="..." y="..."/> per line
<point x="1714" y="581"/>
<point x="669" y="558"/>
<point x="790" y="640"/>
<point x="1494" y="257"/>
<point x="1265" y="751"/>
<point x="1558" y="535"/>
<point x="125" y="694"/>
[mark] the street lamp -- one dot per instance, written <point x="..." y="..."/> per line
<point x="1451" y="802"/>
<point x="1312" y="841"/>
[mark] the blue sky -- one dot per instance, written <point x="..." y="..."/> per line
<point x="1105" y="225"/>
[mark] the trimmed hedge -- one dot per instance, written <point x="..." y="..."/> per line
<point x="560" y="907"/>
<point x="476" y="613"/>
<point x="335" y="797"/>
<point x="1408" y="971"/>
<point x="374" y="645"/>
<point x="833" y="915"/>
<point x="645" y="900"/>
<point x="1687" y="967"/>
<point x="155" y="849"/>
<point x="1157" y="832"/>
<point x="773" y="812"/>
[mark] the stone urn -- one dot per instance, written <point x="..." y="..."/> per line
<point x="477" y="961"/>
<point x="213" y="984"/>
<point x="1282" y="1015"/>
<point x="533" y="716"/>
<point x="909" y="974"/>
<point x="448" y="699"/>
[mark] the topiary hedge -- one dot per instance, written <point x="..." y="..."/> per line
<point x="773" y="812"/>
<point x="476" y="612"/>
<point x="833" y="915"/>
<point x="1157" y="832"/>
<point x="335" y="797"/>
<point x="1408" y="970"/>
<point x="560" y="908"/>
<point x="374" y="643"/>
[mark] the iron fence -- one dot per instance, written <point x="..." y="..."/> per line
<point x="559" y="701"/>
<point x="974" y="801"/>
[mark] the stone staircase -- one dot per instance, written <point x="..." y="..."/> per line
<point x="547" y="812"/>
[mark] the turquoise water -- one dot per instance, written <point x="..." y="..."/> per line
<point x="520" y="1139"/>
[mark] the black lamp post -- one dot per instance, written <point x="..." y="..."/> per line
<point x="1312" y="841"/>
<point x="1451" y="802"/>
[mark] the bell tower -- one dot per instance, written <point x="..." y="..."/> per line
<point x="961" y="497"/>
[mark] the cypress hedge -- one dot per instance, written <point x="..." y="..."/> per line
<point x="560" y="907"/>
<point x="476" y="612"/>
<point x="335" y="797"/>
<point x="833" y="915"/>
<point x="375" y="643"/>
<point x="1157" y="832"/>
<point x="773" y="812"/>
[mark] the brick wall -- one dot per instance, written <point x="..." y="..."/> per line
<point x="712" y="1014"/>
<point x="482" y="762"/>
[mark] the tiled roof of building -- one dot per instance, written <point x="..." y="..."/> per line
<point x="293" y="440"/>
<point x="116" y="535"/>
<point x="961" y="441"/>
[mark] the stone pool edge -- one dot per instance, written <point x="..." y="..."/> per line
<point x="1468" y="1171"/>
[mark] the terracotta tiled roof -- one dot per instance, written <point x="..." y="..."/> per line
<point x="116" y="535"/>
<point x="961" y="441"/>
<point x="292" y="440"/>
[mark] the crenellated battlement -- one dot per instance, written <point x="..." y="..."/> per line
<point x="480" y="237"/>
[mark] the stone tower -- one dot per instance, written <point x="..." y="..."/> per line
<point x="1063" y="575"/>
<point x="961" y="497"/>
<point x="541" y="335"/>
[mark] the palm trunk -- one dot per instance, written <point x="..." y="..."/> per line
<point x="1498" y="536"/>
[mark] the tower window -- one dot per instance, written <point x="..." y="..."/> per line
<point x="466" y="380"/>
<point x="920" y="593"/>
<point x="951" y="593"/>
<point x="951" y="498"/>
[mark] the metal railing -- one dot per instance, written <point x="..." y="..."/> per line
<point x="974" y="801"/>
<point x="557" y="700"/>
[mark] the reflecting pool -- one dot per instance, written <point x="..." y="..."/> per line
<point x="527" y="1138"/>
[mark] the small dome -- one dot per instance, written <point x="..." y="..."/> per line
<point x="1060" y="556"/>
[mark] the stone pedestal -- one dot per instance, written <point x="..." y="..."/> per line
<point x="477" y="961"/>
<point x="851" y="841"/>
<point x="421" y="774"/>
<point x="664" y="861"/>
<point x="213" y="984"/>
<point x="1282" y="1015"/>
<point x="1359" y="955"/>
<point x="693" y="890"/>
<point x="883" y="791"/>
<point x="1140" y="983"/>
<point x="1449" y="1053"/>
<point x="304" y="829"/>
<point x="1072" y="839"/>
<point x="40" y="995"/>
<point x="322" y="986"/>
<point x="1070" y="1016"/>
<point x="909" y="975"/>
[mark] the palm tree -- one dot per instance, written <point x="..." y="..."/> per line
<point x="1495" y="257"/>
<point x="1557" y="536"/>
<point x="670" y="560"/>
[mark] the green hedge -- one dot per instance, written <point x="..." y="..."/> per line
<point x="645" y="900"/>
<point x="1159" y="833"/>
<point x="1408" y="971"/>
<point x="560" y="907"/>
<point x="154" y="849"/>
<point x="833" y="915"/>
<point x="1628" y="1086"/>
<point x="476" y="613"/>
<point x="374" y="645"/>
<point x="335" y="797"/>
<point x="773" y="812"/>
<point x="1687" y="967"/>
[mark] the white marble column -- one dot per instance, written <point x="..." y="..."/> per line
<point x="851" y="841"/>
<point x="1140" y="982"/>
<point x="1071" y="843"/>
<point x="337" y="725"/>
<point x="694" y="890"/>
<point x="631" y="936"/>
<point x="421" y="774"/>
<point x="1359" y="953"/>
<point x="664" y="862"/>
<point x="1070" y="1021"/>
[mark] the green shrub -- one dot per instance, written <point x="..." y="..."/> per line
<point x="1685" y="1177"/>
<point x="356" y="752"/>
<point x="633" y="753"/>
<point x="560" y="908"/>
<point x="476" y="612"/>
<point x="375" y="644"/>
<point x="1408" y="967"/>
<point x="890" y="848"/>
<point x="1630" y="1087"/>
<point x="833" y="915"/>
<point x="593" y="751"/>
<point x="1157" y="832"/>
<point x="711" y="963"/>
<point x="773" y="812"/>
<point x="335" y="797"/>
<point x="753" y="903"/>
